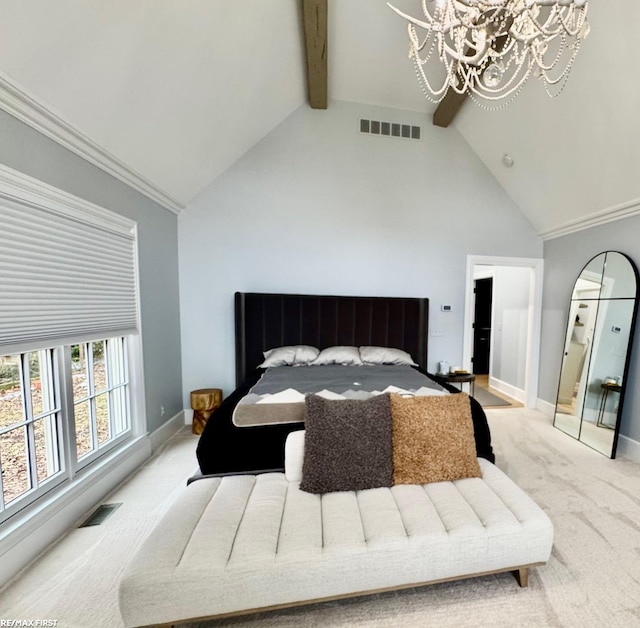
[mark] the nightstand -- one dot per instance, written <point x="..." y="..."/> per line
<point x="458" y="378"/>
<point x="203" y="402"/>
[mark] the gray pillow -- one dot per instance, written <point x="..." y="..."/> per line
<point x="348" y="444"/>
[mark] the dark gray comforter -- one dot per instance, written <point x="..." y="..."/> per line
<point x="278" y="397"/>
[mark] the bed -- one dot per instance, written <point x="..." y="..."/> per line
<point x="264" y="321"/>
<point x="346" y="506"/>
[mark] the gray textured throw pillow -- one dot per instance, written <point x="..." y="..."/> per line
<point x="348" y="444"/>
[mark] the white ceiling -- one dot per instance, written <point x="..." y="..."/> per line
<point x="179" y="89"/>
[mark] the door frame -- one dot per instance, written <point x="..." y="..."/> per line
<point x="534" y="319"/>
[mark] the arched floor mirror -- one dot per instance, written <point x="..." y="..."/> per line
<point x="597" y="346"/>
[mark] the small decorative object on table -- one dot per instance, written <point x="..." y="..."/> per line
<point x="203" y="402"/>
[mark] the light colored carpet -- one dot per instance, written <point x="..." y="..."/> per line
<point x="76" y="581"/>
<point x="592" y="579"/>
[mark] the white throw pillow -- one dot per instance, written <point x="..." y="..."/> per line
<point x="294" y="355"/>
<point x="385" y="355"/>
<point x="294" y="455"/>
<point x="346" y="356"/>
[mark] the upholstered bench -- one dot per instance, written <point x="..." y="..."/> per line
<point x="237" y="544"/>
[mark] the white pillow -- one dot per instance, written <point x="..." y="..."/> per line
<point x="346" y="356"/>
<point x="289" y="356"/>
<point x="294" y="455"/>
<point x="305" y="354"/>
<point x="385" y="355"/>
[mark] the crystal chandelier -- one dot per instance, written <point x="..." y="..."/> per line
<point x="489" y="48"/>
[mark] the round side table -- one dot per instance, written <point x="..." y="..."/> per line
<point x="458" y="378"/>
<point x="203" y="402"/>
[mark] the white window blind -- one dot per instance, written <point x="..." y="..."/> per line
<point x="67" y="268"/>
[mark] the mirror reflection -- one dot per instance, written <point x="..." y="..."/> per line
<point x="599" y="332"/>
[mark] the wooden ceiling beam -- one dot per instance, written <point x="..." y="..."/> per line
<point x="448" y="108"/>
<point x="314" y="15"/>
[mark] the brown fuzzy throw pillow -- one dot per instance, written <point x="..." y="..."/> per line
<point x="347" y="444"/>
<point x="433" y="439"/>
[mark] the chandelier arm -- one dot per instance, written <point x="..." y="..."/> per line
<point x="474" y="59"/>
<point x="413" y="20"/>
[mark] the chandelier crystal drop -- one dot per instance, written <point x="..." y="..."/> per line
<point x="489" y="48"/>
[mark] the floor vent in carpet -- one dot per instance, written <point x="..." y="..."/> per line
<point x="100" y="515"/>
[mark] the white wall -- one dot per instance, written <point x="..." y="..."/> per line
<point x="317" y="207"/>
<point x="511" y="294"/>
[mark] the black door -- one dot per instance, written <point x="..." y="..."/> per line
<point x="482" y="326"/>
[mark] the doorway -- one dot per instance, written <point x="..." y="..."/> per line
<point x="483" y="290"/>
<point x="525" y="322"/>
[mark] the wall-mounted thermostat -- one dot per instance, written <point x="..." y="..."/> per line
<point x="446" y="308"/>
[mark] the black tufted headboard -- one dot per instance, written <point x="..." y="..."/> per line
<point x="264" y="321"/>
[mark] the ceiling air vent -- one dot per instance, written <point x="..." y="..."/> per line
<point x="389" y="129"/>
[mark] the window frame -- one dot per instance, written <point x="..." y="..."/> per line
<point x="7" y="509"/>
<point x="97" y="448"/>
<point x="59" y="372"/>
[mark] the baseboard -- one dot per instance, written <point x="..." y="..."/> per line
<point x="161" y="435"/>
<point x="548" y="409"/>
<point x="628" y="447"/>
<point x="507" y="389"/>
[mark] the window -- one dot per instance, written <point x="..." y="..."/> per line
<point x="37" y="418"/>
<point x="100" y="399"/>
<point x="29" y="425"/>
<point x="70" y="354"/>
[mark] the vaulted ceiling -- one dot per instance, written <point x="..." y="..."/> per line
<point x="166" y="94"/>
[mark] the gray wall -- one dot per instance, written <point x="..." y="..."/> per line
<point x="564" y="259"/>
<point x="28" y="151"/>
<point x="317" y="207"/>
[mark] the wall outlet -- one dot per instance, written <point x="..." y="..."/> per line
<point x="161" y="410"/>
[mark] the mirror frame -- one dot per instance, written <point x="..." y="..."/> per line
<point x="623" y="387"/>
